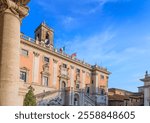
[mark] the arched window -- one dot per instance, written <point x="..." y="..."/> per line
<point x="63" y="85"/>
<point x="47" y="40"/>
<point x="102" y="92"/>
<point x="76" y="100"/>
<point x="88" y="90"/>
<point x="47" y="36"/>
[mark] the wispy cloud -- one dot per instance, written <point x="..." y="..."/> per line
<point x="78" y="7"/>
<point x="129" y="63"/>
<point x="68" y="21"/>
<point x="96" y="45"/>
<point x="71" y="13"/>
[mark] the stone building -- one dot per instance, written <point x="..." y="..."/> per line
<point x="57" y="78"/>
<point x="119" y="97"/>
<point x="146" y="89"/>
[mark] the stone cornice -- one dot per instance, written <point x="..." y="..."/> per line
<point x="16" y="7"/>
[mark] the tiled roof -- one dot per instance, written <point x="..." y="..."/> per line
<point x="118" y="97"/>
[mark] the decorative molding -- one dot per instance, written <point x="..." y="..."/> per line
<point x="72" y="67"/>
<point x="46" y="67"/>
<point x="55" y="61"/>
<point x="16" y="7"/>
<point x="24" y="68"/>
<point x="83" y="71"/>
<point x="36" y="54"/>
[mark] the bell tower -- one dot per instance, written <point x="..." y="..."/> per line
<point x="44" y="35"/>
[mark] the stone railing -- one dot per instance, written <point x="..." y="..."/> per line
<point x="64" y="54"/>
<point x="27" y="38"/>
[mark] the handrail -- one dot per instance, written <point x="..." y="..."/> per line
<point x="92" y="101"/>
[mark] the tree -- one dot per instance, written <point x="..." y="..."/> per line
<point x="30" y="99"/>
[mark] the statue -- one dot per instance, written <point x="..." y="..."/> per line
<point x="146" y="73"/>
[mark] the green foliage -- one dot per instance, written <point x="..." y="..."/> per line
<point x="30" y="99"/>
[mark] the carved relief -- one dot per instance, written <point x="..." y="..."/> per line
<point x="3" y="7"/>
<point x="17" y="7"/>
<point x="46" y="67"/>
<point x="55" y="61"/>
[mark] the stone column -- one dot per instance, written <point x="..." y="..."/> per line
<point x="54" y="84"/>
<point x="83" y="79"/>
<point x="36" y="62"/>
<point x="72" y="85"/>
<point x="72" y="77"/>
<point x="11" y="14"/>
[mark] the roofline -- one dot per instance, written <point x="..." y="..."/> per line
<point x="61" y="56"/>
<point x="45" y="25"/>
<point x="121" y="90"/>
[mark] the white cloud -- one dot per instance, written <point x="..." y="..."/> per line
<point x="68" y="21"/>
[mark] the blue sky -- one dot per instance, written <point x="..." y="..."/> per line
<point x="111" y="33"/>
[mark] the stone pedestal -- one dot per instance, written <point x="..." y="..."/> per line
<point x="11" y="15"/>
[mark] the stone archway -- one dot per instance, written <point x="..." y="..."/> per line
<point x="76" y="99"/>
<point x="63" y="86"/>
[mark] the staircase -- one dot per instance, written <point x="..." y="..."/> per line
<point x="88" y="101"/>
<point x="49" y="98"/>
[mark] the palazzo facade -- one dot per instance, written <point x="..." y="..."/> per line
<point x="59" y="78"/>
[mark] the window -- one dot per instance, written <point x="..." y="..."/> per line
<point x="78" y="71"/>
<point x="38" y="37"/>
<point x="47" y="35"/>
<point x="45" y="80"/>
<point x="77" y="86"/>
<point x="64" y="66"/>
<point x="92" y="82"/>
<point x="102" y="76"/>
<point x="23" y="76"/>
<point x="63" y="85"/>
<point x="24" y="52"/>
<point x="46" y="59"/>
<point x="102" y="92"/>
<point x="88" y="90"/>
